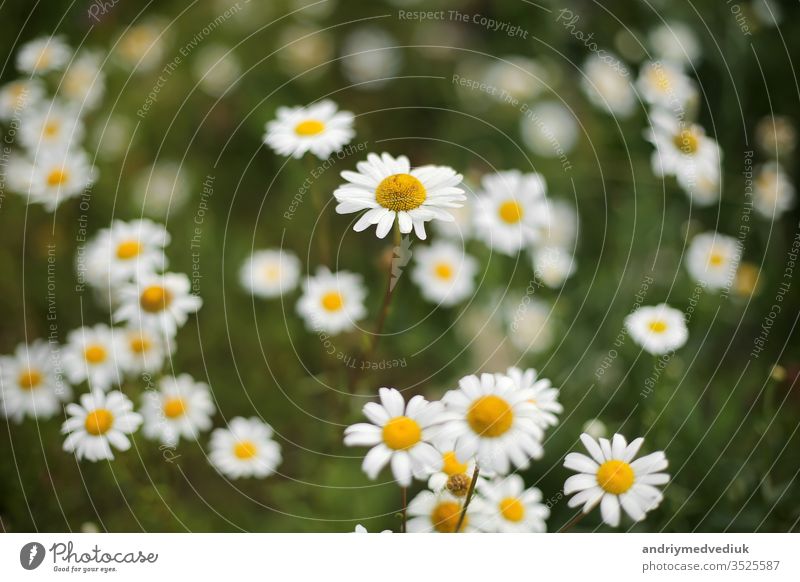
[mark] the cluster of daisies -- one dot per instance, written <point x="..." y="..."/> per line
<point x="467" y="448"/>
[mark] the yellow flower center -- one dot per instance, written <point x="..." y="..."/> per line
<point x="95" y="354"/>
<point x="245" y="450"/>
<point x="445" y="517"/>
<point x="658" y="326"/>
<point x="129" y="249"/>
<point x="174" y="407"/>
<point x="451" y="464"/>
<point x="29" y="379"/>
<point x="490" y="416"/>
<point x="98" y="421"/>
<point x="687" y="141"/>
<point x="309" y="127"/>
<point x="155" y="298"/>
<point x="615" y="477"/>
<point x="661" y="80"/>
<point x="510" y="212"/>
<point x="400" y="192"/>
<point x="57" y="177"/>
<point x="43" y="59"/>
<point x="51" y="128"/>
<point x="401" y="433"/>
<point x="512" y="509"/>
<point x="272" y="272"/>
<point x="140" y="344"/>
<point x="332" y="301"/>
<point x="716" y="259"/>
<point x="444" y="271"/>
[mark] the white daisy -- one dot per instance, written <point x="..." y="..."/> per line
<point x="550" y="129"/>
<point x="529" y="325"/>
<point x="454" y="475"/>
<point x="399" y="434"/>
<point x="612" y="478"/>
<point x="665" y="85"/>
<point x="141" y="46"/>
<point x="29" y="383"/>
<point x="774" y="192"/>
<point x="50" y="126"/>
<point x="160" y="189"/>
<point x="511" y="210"/>
<point x="370" y="57"/>
<point x="388" y="189"/>
<point x="517" y="76"/>
<point x="270" y="273"/>
<point x="361" y="529"/>
<point x="20" y="96"/>
<point x="319" y="129"/>
<point x="658" y="329"/>
<point x="490" y="419"/>
<point x="505" y="506"/>
<point x="160" y="302"/>
<point x="560" y="225"/>
<point x="543" y="396"/>
<point x="101" y="421"/>
<point x="43" y="54"/>
<point x="460" y="228"/>
<point x="608" y="85"/>
<point x="444" y="273"/>
<point x="675" y="42"/>
<point x="92" y="355"/>
<point x="58" y="175"/>
<point x="244" y="449"/>
<point x="712" y="260"/>
<point x="553" y="265"/>
<point x="332" y="302"/>
<point x="142" y="349"/>
<point x="439" y="512"/>
<point x="180" y="408"/>
<point x="84" y="81"/>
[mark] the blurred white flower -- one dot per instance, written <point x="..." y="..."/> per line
<point x="776" y="135"/>
<point x="57" y="175"/>
<point x="304" y="51"/>
<point x="142" y="349"/>
<point x="332" y="302"/>
<point x="675" y="42"/>
<point x="439" y="512"/>
<point x="159" y="302"/>
<point x="665" y="85"/>
<point x="444" y="273"/>
<point x="92" y="354"/>
<point x="216" y="69"/>
<point x="549" y="129"/>
<point x="519" y="77"/>
<point x="768" y="12"/>
<point x="712" y="260"/>
<point x="773" y="192"/>
<point x="608" y="85"/>
<point x="16" y="97"/>
<point x="99" y="422"/>
<point x="595" y="428"/>
<point x="50" y="126"/>
<point x="244" y="449"/>
<point x="141" y="47"/>
<point x="560" y="225"/>
<point x="554" y="265"/>
<point x="319" y="128"/>
<point x="43" y="54"/>
<point x="112" y="137"/>
<point x="29" y="383"/>
<point x="505" y="506"/>
<point x="160" y="189"/>
<point x="180" y="408"/>
<point x="369" y="57"/>
<point x="657" y="329"/>
<point x="84" y="81"/>
<point x="270" y="273"/>
<point x="530" y="326"/>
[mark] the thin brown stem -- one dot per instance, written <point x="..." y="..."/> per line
<point x="404" y="495"/>
<point x="470" y="492"/>
<point x="572" y="522"/>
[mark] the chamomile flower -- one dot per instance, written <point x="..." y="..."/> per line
<point x="612" y="478"/>
<point x="399" y="433"/>
<point x="510" y="211"/>
<point x="665" y="85"/>
<point x="270" y="273"/>
<point x="444" y="273"/>
<point x="543" y="396"/>
<point x="57" y="175"/>
<point x="560" y="224"/>
<point x="92" y="354"/>
<point x="245" y="449"/>
<point x="160" y="302"/>
<point x="553" y="265"/>
<point x="84" y="81"/>
<point x="454" y="475"/>
<point x="141" y="46"/>
<point x="712" y="260"/>
<point x="439" y="512"/>
<point x="607" y="84"/>
<point x="29" y="383"/>
<point x="489" y="418"/>
<point x="675" y="42"/>
<point x="180" y="408"/>
<point x="142" y="349"/>
<point x="319" y="129"/>
<point x="43" y="54"/>
<point x="20" y="96"/>
<point x="530" y="327"/>
<point x="774" y="192"/>
<point x="332" y="302"/>
<point x="101" y="421"/>
<point x="118" y="253"/>
<point x="505" y="506"/>
<point x="549" y="129"/>
<point x="361" y="529"/>
<point x="388" y="189"/>
<point x="370" y="57"/>
<point x="658" y="329"/>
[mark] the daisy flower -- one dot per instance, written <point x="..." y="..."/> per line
<point x="361" y="529"/>
<point x="553" y="265"/>
<point x="612" y="478"/>
<point x="399" y="434"/>
<point x="490" y="419"/>
<point x="270" y="273"/>
<point x="607" y="84"/>
<point x="454" y="475"/>
<point x="544" y="396"/>
<point x="91" y="354"/>
<point x="712" y="260"/>
<point x="773" y="191"/>
<point x="388" y="189"/>
<point x="675" y="42"/>
<point x="29" y="384"/>
<point x="245" y="449"/>
<point x="549" y="129"/>
<point x="658" y="329"/>
<point x="510" y="211"/>
<point x="18" y="96"/>
<point x="332" y="302"/>
<point x="530" y="327"/>
<point x="505" y="506"/>
<point x="370" y="59"/>
<point x="84" y="81"/>
<point x="50" y="126"/>
<point x="319" y="129"/>
<point x="43" y="54"/>
<point x="180" y="408"/>
<point x="439" y="512"/>
<point x="58" y="175"/>
<point x="216" y="69"/>
<point x="560" y="225"/>
<point x="101" y="421"/>
<point x="160" y="302"/>
<point x="118" y="253"/>
<point x="444" y="273"/>
<point x="142" y="349"/>
<point x="141" y="47"/>
<point x="665" y="85"/>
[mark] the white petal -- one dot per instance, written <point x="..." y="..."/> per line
<point x="609" y="508"/>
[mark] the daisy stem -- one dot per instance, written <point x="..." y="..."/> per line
<point x="404" y="495"/>
<point x="470" y="491"/>
<point x="572" y="522"/>
<point x="316" y="198"/>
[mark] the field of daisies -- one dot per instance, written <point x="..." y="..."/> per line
<point x="460" y="266"/>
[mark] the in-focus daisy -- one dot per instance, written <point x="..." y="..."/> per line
<point x="270" y="273"/>
<point x="19" y="96"/>
<point x="43" y="54"/>
<point x="101" y="421"/>
<point x="84" y="81"/>
<point x="439" y="512"/>
<point x="245" y="449"/>
<point x="118" y="253"/>
<point x="180" y="408"/>
<point x="505" y="506"/>
<point x="92" y="354"/>
<point x="612" y="478"/>
<point x="444" y="273"/>
<point x="530" y="326"/>
<point x="665" y="85"/>
<point x="160" y="302"/>
<point x="773" y="191"/>
<point x="489" y="418"/>
<point x="29" y="384"/>
<point x="553" y="265"/>
<point x="399" y="434"/>
<point x="142" y="349"/>
<point x="319" y="129"/>
<point x="712" y="260"/>
<point x="332" y="302"/>
<point x="388" y="189"/>
<point x="658" y="329"/>
<point x="544" y="396"/>
<point x="607" y="84"/>
<point x="57" y="175"/>
<point x="511" y="210"/>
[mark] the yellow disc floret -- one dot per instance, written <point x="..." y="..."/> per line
<point x="245" y="450"/>
<point x="512" y="509"/>
<point x="400" y="192"/>
<point x="155" y="298"/>
<point x="401" y="433"/>
<point x="490" y="416"/>
<point x="309" y="127"/>
<point x="174" y="407"/>
<point x="615" y="477"/>
<point x="511" y="212"/>
<point x="445" y="517"/>
<point x="98" y="421"/>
